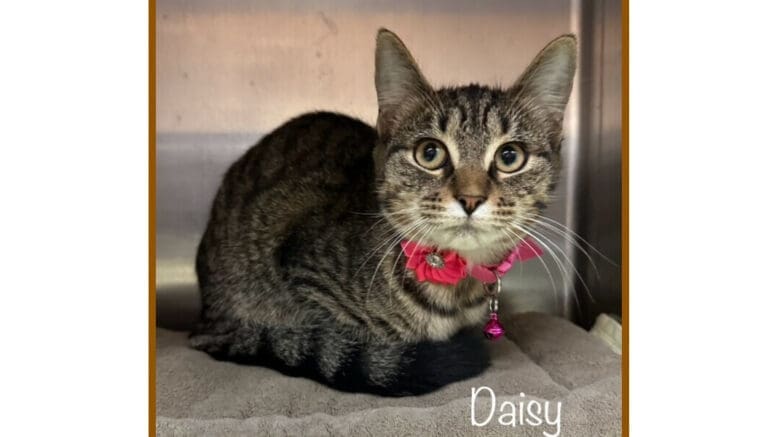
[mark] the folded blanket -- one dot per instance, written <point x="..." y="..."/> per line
<point x="544" y="361"/>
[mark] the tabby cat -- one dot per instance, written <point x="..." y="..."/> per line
<point x="300" y="266"/>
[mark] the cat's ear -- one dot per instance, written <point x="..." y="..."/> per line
<point x="547" y="82"/>
<point x="398" y="80"/>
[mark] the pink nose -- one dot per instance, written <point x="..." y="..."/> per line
<point x="470" y="203"/>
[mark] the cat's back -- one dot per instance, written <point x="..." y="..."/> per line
<point x="320" y="149"/>
<point x="301" y="178"/>
<point x="313" y="142"/>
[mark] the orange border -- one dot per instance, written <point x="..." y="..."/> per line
<point x="152" y="217"/>
<point x="625" y="214"/>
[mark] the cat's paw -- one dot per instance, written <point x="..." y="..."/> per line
<point x="211" y="343"/>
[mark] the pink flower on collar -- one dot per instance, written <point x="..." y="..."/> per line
<point x="445" y="267"/>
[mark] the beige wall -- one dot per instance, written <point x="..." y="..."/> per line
<point x="248" y="66"/>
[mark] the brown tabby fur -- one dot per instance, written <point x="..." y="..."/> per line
<point x="300" y="267"/>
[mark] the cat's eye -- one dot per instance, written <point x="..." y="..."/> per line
<point x="510" y="157"/>
<point x="430" y="154"/>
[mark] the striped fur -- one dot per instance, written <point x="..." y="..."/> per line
<point x="300" y="267"/>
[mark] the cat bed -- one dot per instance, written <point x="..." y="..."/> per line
<point x="542" y="358"/>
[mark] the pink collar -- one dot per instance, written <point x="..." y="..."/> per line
<point x="447" y="267"/>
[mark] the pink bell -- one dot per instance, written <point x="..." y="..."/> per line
<point x="493" y="329"/>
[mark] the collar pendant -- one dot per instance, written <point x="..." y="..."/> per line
<point x="435" y="260"/>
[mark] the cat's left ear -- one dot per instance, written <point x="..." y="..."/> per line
<point x="547" y="82"/>
<point x="398" y="80"/>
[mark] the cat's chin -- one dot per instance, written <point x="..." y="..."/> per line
<point x="476" y="246"/>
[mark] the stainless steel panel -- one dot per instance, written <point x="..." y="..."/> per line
<point x="598" y="216"/>
<point x="228" y="72"/>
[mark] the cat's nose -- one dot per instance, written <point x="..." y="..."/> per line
<point x="470" y="203"/>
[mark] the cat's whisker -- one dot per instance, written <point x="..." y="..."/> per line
<point x="426" y="232"/>
<point x="551" y="252"/>
<point x="537" y="234"/>
<point x="566" y="238"/>
<point x="577" y="236"/>
<point x="377" y="222"/>
<point x="388" y="251"/>
<point x="517" y="238"/>
<point x="565" y="228"/>
<point x="393" y="235"/>
<point x="541" y="238"/>
<point x="391" y="226"/>
<point x="574" y="295"/>
<point x="379" y="214"/>
<point x="559" y="264"/>
<point x="411" y="237"/>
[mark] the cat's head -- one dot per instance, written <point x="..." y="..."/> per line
<point x="468" y="168"/>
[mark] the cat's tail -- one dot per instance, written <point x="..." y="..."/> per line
<point x="343" y="360"/>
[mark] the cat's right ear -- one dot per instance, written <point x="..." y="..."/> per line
<point x="546" y="84"/>
<point x="398" y="80"/>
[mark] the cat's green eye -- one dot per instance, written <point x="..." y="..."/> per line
<point x="510" y="157"/>
<point x="430" y="154"/>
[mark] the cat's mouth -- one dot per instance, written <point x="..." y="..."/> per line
<point x="468" y="227"/>
<point x="468" y="234"/>
<point x="459" y="233"/>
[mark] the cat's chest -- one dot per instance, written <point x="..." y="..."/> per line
<point x="457" y="308"/>
<point x="443" y="328"/>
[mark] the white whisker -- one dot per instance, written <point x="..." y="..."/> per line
<point x="540" y="237"/>
<point x="577" y="236"/>
<point x="418" y="224"/>
<point x="509" y="231"/>
<point x="393" y="235"/>
<point x="566" y="238"/>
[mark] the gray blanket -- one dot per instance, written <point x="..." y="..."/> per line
<point x="544" y="359"/>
